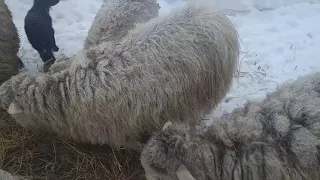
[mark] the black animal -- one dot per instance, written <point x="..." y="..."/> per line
<point x="39" y="30"/>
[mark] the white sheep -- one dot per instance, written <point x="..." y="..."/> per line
<point x="171" y="68"/>
<point x="116" y="17"/>
<point x="274" y="139"/>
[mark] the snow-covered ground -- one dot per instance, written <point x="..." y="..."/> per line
<point x="280" y="39"/>
<point x="277" y="46"/>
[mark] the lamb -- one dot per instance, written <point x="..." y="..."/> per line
<point x="276" y="138"/>
<point x="39" y="30"/>
<point x="9" y="45"/>
<point x="172" y="67"/>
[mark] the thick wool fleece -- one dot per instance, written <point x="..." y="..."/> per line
<point x="116" y="17"/>
<point x="9" y="45"/>
<point x="171" y="68"/>
<point x="275" y="139"/>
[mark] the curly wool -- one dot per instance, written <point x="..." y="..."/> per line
<point x="170" y="68"/>
<point x="9" y="45"/>
<point x="277" y="138"/>
<point x="116" y="18"/>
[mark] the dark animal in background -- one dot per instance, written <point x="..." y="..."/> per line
<point x="39" y="30"/>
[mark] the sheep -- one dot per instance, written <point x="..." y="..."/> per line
<point x="9" y="45"/>
<point x="39" y="30"/>
<point x="116" y="17"/>
<point x="275" y="138"/>
<point x="171" y="67"/>
<point x="103" y="29"/>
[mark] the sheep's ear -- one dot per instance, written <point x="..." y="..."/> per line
<point x="166" y="125"/>
<point x="184" y="174"/>
<point x="15" y="108"/>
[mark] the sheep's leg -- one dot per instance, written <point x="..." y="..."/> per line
<point x="47" y="65"/>
<point x="47" y="55"/>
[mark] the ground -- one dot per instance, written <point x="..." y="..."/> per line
<point x="280" y="40"/>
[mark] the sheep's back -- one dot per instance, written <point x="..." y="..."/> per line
<point x="171" y="68"/>
<point x="180" y="65"/>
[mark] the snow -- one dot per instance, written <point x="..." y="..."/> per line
<point x="277" y="46"/>
<point x="280" y="39"/>
<point x="71" y="22"/>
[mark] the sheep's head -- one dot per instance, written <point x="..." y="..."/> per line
<point x="161" y="155"/>
<point x="46" y="3"/>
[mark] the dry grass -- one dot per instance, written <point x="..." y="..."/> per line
<point x="45" y="156"/>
